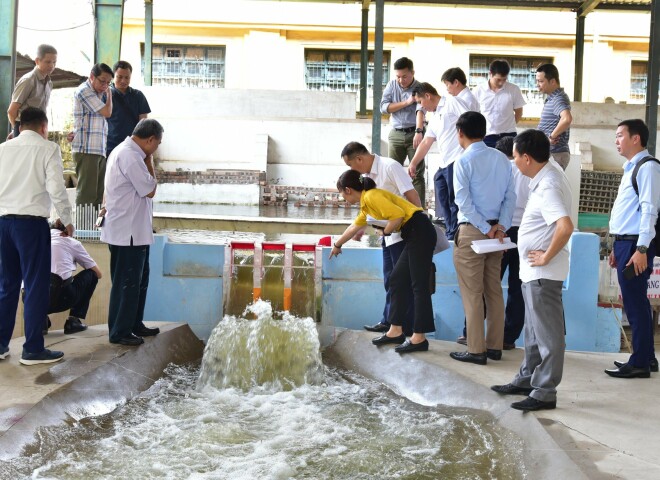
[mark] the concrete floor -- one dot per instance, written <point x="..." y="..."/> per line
<point x="596" y="431"/>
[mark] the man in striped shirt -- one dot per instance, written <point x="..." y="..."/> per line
<point x="92" y="104"/>
<point x="556" y="116"/>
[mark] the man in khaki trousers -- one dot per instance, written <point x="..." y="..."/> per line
<point x="485" y="196"/>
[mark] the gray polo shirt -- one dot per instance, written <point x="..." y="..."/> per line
<point x="393" y="93"/>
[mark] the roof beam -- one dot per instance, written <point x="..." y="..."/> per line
<point x="587" y="7"/>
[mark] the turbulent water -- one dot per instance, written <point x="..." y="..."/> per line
<point x="263" y="406"/>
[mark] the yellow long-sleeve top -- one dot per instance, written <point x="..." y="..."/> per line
<point x="384" y="205"/>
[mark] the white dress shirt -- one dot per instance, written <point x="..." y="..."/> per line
<point x="498" y="107"/>
<point x="66" y="253"/>
<point x="549" y="200"/>
<point x="129" y="210"/>
<point x="31" y="177"/>
<point x="442" y="126"/>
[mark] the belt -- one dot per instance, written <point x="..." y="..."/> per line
<point x="630" y="238"/>
<point x="490" y="222"/>
<point x="24" y="217"/>
<point x="406" y="130"/>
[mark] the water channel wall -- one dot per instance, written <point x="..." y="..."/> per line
<point x="186" y="285"/>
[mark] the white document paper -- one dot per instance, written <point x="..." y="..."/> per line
<point x="492" y="245"/>
<point x="391" y="239"/>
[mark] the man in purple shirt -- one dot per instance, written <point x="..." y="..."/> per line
<point x="130" y="185"/>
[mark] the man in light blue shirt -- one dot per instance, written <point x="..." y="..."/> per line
<point x="632" y="223"/>
<point x="486" y="198"/>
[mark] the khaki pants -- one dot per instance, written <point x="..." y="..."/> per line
<point x="90" y="170"/>
<point x="400" y="146"/>
<point x="479" y="279"/>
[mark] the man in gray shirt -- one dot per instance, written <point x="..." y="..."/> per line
<point x="556" y="116"/>
<point x="406" y="119"/>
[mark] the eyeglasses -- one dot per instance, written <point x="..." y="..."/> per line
<point x="102" y="82"/>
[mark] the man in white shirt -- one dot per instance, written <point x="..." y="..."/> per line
<point x="391" y="176"/>
<point x="544" y="232"/>
<point x="501" y="102"/>
<point x="68" y="291"/>
<point x="31" y="178"/>
<point x="459" y="101"/>
<point x="130" y="185"/>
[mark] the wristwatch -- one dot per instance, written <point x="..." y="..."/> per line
<point x="642" y="249"/>
<point x="419" y="130"/>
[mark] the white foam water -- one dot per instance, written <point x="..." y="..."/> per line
<point x="235" y="418"/>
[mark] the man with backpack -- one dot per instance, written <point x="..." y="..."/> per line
<point x="633" y="223"/>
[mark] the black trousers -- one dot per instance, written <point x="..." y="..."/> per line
<point x="413" y="269"/>
<point x="129" y="272"/>
<point x="76" y="295"/>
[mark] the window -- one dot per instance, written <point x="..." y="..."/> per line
<point x="638" y="76"/>
<point x="339" y="70"/>
<point x="188" y="66"/>
<point x="523" y="73"/>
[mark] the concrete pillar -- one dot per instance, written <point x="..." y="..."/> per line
<point x="109" y="15"/>
<point x="148" y="40"/>
<point x="8" y="23"/>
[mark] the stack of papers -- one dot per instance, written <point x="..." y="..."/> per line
<point x="494" y="245"/>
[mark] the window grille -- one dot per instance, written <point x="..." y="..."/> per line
<point x="339" y="70"/>
<point x="522" y="74"/>
<point x="188" y="66"/>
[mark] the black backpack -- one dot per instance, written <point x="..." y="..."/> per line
<point x="634" y="184"/>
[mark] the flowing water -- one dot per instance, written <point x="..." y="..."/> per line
<point x="263" y="406"/>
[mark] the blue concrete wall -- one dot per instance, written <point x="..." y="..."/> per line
<point x="353" y="295"/>
<point x="186" y="285"/>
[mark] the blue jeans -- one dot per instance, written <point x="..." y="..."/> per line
<point x="636" y="303"/>
<point x="445" y="206"/>
<point x="129" y="272"/>
<point x="24" y="255"/>
<point x="391" y="255"/>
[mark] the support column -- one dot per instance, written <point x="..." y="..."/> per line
<point x="109" y="16"/>
<point x="8" y="24"/>
<point x="148" y="40"/>
<point x="364" y="58"/>
<point x="378" y="77"/>
<point x="579" y="57"/>
<point x="653" y="74"/>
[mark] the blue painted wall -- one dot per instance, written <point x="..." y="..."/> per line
<point x="186" y="285"/>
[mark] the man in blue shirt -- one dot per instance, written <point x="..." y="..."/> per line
<point x="486" y="198"/>
<point x="632" y="223"/>
<point x="131" y="106"/>
<point x="406" y="119"/>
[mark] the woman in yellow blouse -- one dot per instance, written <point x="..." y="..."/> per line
<point x="414" y="264"/>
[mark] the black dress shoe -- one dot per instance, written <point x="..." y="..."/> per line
<point x="408" y="346"/>
<point x="628" y="371"/>
<point x="511" y="389"/>
<point x="653" y="364"/>
<point x="478" y="358"/>
<point x="74" y="325"/>
<point x="509" y="346"/>
<point x="384" y="340"/>
<point x="130" y="340"/>
<point x="378" y="328"/>
<point x="531" y="404"/>
<point x="462" y="340"/>
<point x="143" y="331"/>
<point x="494" y="354"/>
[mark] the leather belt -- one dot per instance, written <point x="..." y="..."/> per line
<point x="630" y="238"/>
<point x="490" y="222"/>
<point x="406" y="130"/>
<point x="23" y="217"/>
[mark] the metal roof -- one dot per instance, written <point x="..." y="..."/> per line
<point x="583" y="7"/>
<point x="61" y="78"/>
